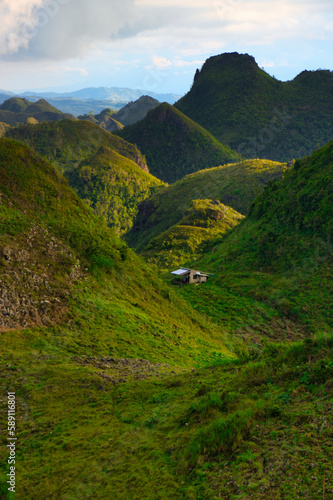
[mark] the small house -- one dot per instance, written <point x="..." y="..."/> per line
<point x="185" y="276"/>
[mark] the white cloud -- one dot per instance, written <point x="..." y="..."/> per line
<point x="161" y="62"/>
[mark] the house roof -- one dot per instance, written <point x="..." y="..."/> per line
<point x="181" y="271"/>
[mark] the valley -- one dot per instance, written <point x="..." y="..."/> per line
<point x="127" y="384"/>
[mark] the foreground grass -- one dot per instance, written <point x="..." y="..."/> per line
<point x="252" y="429"/>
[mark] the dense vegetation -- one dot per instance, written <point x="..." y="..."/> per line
<point x="16" y="110"/>
<point x="203" y="222"/>
<point x="174" y="145"/>
<point x="109" y="173"/>
<point x="67" y="143"/>
<point x="235" y="185"/>
<point x="258" y="115"/>
<point x="114" y="186"/>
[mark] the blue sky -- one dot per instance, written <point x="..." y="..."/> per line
<point x="155" y="44"/>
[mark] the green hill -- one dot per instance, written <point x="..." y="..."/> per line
<point x="109" y="173"/>
<point x="174" y="145"/>
<point x="105" y="119"/>
<point x="67" y="143"/>
<point x="136" y="111"/>
<point x="204" y="221"/>
<point x="17" y="110"/>
<point x="114" y="186"/>
<point x="258" y="115"/>
<point x="234" y="185"/>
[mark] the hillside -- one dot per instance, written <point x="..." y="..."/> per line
<point x="104" y="119"/>
<point x="174" y="145"/>
<point x="281" y="254"/>
<point x="113" y="186"/>
<point x="123" y="391"/>
<point x="67" y="143"/>
<point x="16" y="110"/>
<point x="256" y="114"/>
<point x="136" y="111"/>
<point x="203" y="222"/>
<point x="4" y="127"/>
<point x="235" y="185"/>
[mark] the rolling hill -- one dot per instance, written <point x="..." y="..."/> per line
<point x="235" y="185"/>
<point x="191" y="237"/>
<point x="17" y="110"/>
<point x="113" y="186"/>
<point x="258" y="115"/>
<point x="174" y="145"/>
<point x="67" y="143"/>
<point x="136" y="111"/>
<point x="109" y="173"/>
<point x="104" y="119"/>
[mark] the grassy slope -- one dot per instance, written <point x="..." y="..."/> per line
<point x="191" y="237"/>
<point x="113" y="185"/>
<point x="281" y="254"/>
<point x="252" y="428"/>
<point x="174" y="145"/>
<point x="235" y="185"/>
<point x="93" y="301"/>
<point x="67" y="143"/>
<point x="258" y="115"/>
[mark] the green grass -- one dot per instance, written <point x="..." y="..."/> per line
<point x="138" y="390"/>
<point x="235" y="185"/>
<point x="68" y="143"/>
<point x="233" y="429"/>
<point x="191" y="237"/>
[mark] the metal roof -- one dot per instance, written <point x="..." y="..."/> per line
<point x="181" y="271"/>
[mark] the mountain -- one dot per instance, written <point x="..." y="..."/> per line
<point x="113" y="186"/>
<point x="258" y="115"/>
<point x="136" y="111"/>
<point x="174" y="145"/>
<point x="104" y="119"/>
<point x="67" y="143"/>
<point x="116" y="94"/>
<point x="78" y="107"/>
<point x="236" y="185"/>
<point x="16" y="110"/>
<point x="93" y="99"/>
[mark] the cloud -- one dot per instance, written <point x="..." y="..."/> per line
<point x="61" y="29"/>
<point x="65" y="29"/>
<point x="161" y="62"/>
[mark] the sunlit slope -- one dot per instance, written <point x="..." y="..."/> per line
<point x="60" y="264"/>
<point x="234" y="185"/>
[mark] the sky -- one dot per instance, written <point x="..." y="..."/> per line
<point x="155" y="45"/>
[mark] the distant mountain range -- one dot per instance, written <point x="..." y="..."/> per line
<point x="93" y="99"/>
